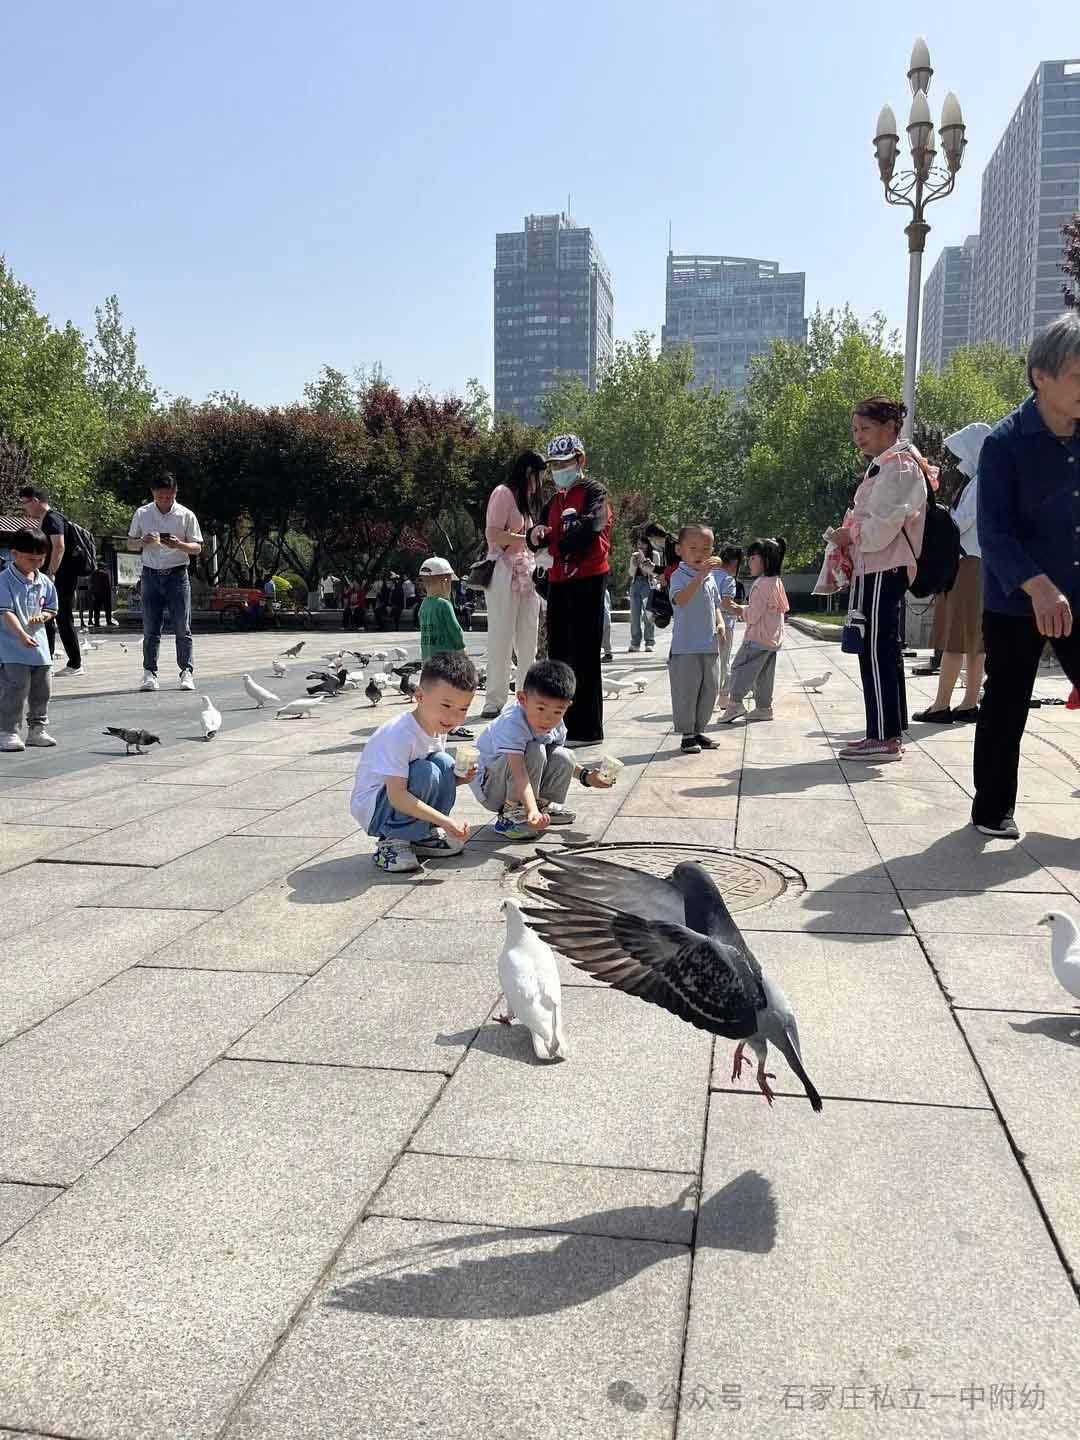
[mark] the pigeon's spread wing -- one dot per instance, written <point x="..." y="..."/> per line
<point x="698" y="979"/>
<point x="574" y="878"/>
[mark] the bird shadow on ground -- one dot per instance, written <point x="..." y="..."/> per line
<point x="1063" y="1028"/>
<point x="508" y="1042"/>
<point x="542" y="1279"/>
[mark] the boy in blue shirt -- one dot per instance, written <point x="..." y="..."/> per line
<point x="694" y="661"/>
<point x="525" y="768"/>
<point x="28" y="602"/>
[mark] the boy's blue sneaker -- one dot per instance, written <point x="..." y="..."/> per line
<point x="394" y="859"/>
<point x="511" y="824"/>
<point x="437" y="845"/>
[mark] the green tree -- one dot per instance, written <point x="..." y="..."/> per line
<point x="981" y="382"/>
<point x="116" y="377"/>
<point x="1070" y="262"/>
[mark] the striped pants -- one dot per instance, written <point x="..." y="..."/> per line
<point x="880" y="597"/>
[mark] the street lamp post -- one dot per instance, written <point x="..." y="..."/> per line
<point x="918" y="187"/>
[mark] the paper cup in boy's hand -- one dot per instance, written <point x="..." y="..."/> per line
<point x="608" y="769"/>
<point x="465" y="758"/>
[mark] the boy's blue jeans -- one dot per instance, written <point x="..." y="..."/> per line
<point x="431" y="780"/>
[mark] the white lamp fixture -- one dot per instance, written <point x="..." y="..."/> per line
<point x="920" y="70"/>
<point x="920" y="126"/>
<point x="886" y="143"/>
<point x="952" y="132"/>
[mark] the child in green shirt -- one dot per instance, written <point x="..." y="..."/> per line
<point x="439" y="628"/>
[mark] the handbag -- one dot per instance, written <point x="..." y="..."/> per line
<point x="481" y="573"/>
<point x="659" y="607"/>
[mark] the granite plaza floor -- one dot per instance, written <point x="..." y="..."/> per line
<point x="270" y="1171"/>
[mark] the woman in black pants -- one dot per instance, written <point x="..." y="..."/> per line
<point x="576" y="529"/>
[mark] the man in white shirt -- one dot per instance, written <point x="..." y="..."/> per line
<point x="168" y="536"/>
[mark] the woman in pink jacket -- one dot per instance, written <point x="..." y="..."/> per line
<point x="513" y="606"/>
<point x="885" y="536"/>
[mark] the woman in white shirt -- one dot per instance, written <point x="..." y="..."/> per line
<point x="957" y="629"/>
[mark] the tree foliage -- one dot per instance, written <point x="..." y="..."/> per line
<point x="1070" y="262"/>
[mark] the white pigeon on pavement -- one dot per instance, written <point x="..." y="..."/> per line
<point x="397" y="653"/>
<point x="529" y="976"/>
<point x="616" y="687"/>
<point x="297" y="709"/>
<point x="259" y="695"/>
<point x="278" y="668"/>
<point x="211" y="718"/>
<point x="817" y="682"/>
<point x="1064" y="951"/>
<point x="380" y="655"/>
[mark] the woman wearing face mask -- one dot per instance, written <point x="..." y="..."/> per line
<point x="957" y="630"/>
<point x="513" y="606"/>
<point x="576" y="531"/>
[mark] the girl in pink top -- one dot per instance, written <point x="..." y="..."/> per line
<point x="885" y="536"/>
<point x="754" y="668"/>
<point x="513" y="606"/>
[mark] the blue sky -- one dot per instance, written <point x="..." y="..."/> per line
<point x="272" y="186"/>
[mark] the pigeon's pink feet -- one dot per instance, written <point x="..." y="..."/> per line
<point x="763" y="1078"/>
<point x="738" y="1062"/>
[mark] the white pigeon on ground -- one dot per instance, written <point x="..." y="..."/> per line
<point x="380" y="655"/>
<point x="211" y="718"/>
<point x="278" y="668"/>
<point x="614" y="686"/>
<point x="258" y="694"/>
<point x="379" y="678"/>
<point x="529" y="976"/>
<point x="671" y="942"/>
<point x="1064" y="951"/>
<point x="817" y="682"/>
<point x="397" y="653"/>
<point x="297" y="709"/>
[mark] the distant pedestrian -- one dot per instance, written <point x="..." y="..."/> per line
<point x="1029" y="533"/>
<point x="644" y="564"/>
<point x="169" y="537"/>
<point x="513" y="606"/>
<point x="693" y="665"/>
<point x="101" y="594"/>
<point x="754" y="667"/>
<point x="62" y="566"/>
<point x="439" y="628"/>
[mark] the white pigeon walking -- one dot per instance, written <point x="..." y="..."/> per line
<point x="1064" y="951"/>
<point x="816" y="684"/>
<point x="258" y="694"/>
<point x="211" y="718"/>
<point x="529" y="976"/>
<point x="297" y="709"/>
<point x="278" y="668"/>
<point x="615" y="686"/>
<point x="397" y="653"/>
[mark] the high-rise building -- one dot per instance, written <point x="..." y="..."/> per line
<point x="948" y="302"/>
<point x="1031" y="184"/>
<point x="554" y="310"/>
<point x="729" y="308"/>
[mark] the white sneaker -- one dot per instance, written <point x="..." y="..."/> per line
<point x="150" y="681"/>
<point x="187" y="680"/>
<point x="11" y="742"/>
<point x="437" y="845"/>
<point x="732" y="712"/>
<point x="38" y="735"/>
<point x="760" y="712"/>
<point x="395" y="859"/>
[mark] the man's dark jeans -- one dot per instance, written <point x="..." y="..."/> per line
<point x="169" y="589"/>
<point x="1013" y="650"/>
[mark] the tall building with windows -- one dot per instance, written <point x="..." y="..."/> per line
<point x="1031" y="184"/>
<point x="729" y="308"/>
<point x="948" y="305"/>
<point x="554" y="311"/>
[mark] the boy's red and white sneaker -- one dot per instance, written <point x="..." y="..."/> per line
<point x="878" y="751"/>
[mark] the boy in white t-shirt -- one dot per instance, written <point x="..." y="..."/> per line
<point x="405" y="784"/>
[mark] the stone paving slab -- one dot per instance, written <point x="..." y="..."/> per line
<point x="218" y="875"/>
<point x="321" y="814"/>
<point x="1008" y="972"/>
<point x="991" y="913"/>
<point x="377" y="1011"/>
<point x="615" y="1203"/>
<point x="767" y="823"/>
<point x="473" y="937"/>
<point x="20" y="1203"/>
<point x="828" y="910"/>
<point x="489" y="1298"/>
<point x="592" y="1109"/>
<point x="224" y="769"/>
<point x="274" y="790"/>
<point x="700" y="796"/>
<point x="128" y="803"/>
<point x="1032" y="1064"/>
<point x="884" y="1245"/>
<point x="59" y="887"/>
<point x="56" y="1120"/>
<point x="693" y="830"/>
<point x="72" y="954"/>
<point x="958" y="858"/>
<point x="872" y="1025"/>
<point x="197" y="1239"/>
<point x="914" y="804"/>
<point x="20" y="844"/>
<point x="157" y="839"/>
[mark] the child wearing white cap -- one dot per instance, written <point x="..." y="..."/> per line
<point x="439" y="628"/>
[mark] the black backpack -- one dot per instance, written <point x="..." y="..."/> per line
<point x="80" y="552"/>
<point x="937" y="566"/>
<point x="659" y="607"/>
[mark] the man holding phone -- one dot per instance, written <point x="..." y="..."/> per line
<point x="168" y="535"/>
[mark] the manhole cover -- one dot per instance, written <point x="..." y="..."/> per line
<point x="745" y="881"/>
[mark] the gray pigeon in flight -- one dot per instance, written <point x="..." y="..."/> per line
<point x="673" y="943"/>
<point x="138" y="738"/>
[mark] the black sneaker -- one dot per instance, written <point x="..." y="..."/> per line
<point x="690" y="745"/>
<point x="705" y="742"/>
<point x="1005" y="829"/>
